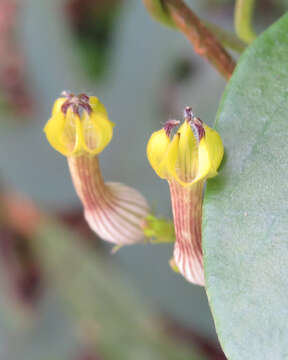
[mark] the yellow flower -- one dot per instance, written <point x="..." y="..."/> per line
<point x="78" y="125"/>
<point x="192" y="155"/>
<point x="80" y="129"/>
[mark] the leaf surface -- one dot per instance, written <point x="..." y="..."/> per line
<point x="245" y="222"/>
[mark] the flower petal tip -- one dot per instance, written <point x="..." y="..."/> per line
<point x="78" y="125"/>
<point x="193" y="154"/>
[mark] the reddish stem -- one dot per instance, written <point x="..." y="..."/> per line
<point x="204" y="42"/>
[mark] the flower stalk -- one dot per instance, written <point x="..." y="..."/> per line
<point x="227" y="39"/>
<point x="177" y="13"/>
<point x="243" y="20"/>
<point x="158" y="230"/>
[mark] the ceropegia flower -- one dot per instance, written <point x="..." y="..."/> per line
<point x="79" y="128"/>
<point x="186" y="160"/>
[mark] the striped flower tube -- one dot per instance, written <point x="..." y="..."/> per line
<point x="79" y="129"/>
<point x="186" y="160"/>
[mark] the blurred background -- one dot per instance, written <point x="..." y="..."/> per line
<point x="62" y="294"/>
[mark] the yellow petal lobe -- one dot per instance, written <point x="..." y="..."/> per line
<point x="214" y="151"/>
<point x="188" y="153"/>
<point x="97" y="106"/>
<point x="97" y="131"/>
<point x="157" y="151"/>
<point x="57" y="105"/>
<point x="53" y="131"/>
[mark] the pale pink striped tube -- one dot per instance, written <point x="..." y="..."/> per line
<point x="114" y="211"/>
<point x="187" y="214"/>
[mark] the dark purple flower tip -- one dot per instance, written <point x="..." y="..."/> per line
<point x="78" y="103"/>
<point x="83" y="97"/>
<point x="188" y="113"/>
<point x="169" y="125"/>
<point x="198" y="124"/>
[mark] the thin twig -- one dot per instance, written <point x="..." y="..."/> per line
<point x="226" y="38"/>
<point x="204" y="42"/>
<point x="243" y="20"/>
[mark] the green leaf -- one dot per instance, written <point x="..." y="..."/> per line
<point x="245" y="226"/>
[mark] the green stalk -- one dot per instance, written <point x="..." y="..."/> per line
<point x="226" y="38"/>
<point x="243" y="20"/>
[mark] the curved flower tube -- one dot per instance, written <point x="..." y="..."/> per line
<point x="79" y="128"/>
<point x="192" y="155"/>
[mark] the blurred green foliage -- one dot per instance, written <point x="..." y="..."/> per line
<point x="93" y="25"/>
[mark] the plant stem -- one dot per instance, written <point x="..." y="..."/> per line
<point x="243" y="20"/>
<point x="204" y="42"/>
<point x="158" y="230"/>
<point x="226" y="38"/>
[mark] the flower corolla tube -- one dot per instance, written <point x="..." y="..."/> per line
<point x="186" y="160"/>
<point x="79" y="128"/>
